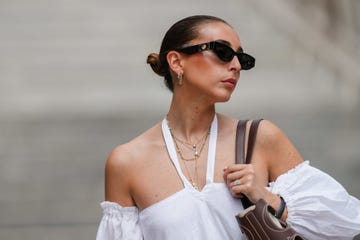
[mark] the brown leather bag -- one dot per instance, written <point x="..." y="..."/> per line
<point x="258" y="222"/>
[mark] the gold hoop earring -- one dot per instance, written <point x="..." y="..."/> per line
<point x="180" y="78"/>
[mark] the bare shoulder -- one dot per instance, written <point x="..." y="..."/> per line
<point x="280" y="153"/>
<point x="119" y="160"/>
<point x="122" y="163"/>
<point x="269" y="132"/>
<point x="127" y="154"/>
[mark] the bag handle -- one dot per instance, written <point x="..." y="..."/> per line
<point x="252" y="137"/>
<point x="240" y="147"/>
<point x="240" y="140"/>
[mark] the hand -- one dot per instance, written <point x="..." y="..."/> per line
<point x="241" y="179"/>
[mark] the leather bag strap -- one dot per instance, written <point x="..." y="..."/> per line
<point x="252" y="137"/>
<point x="240" y="141"/>
<point x="240" y="147"/>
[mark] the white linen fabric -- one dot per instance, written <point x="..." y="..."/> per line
<point x="119" y="223"/>
<point x="318" y="207"/>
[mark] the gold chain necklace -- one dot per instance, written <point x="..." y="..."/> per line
<point x="193" y="146"/>
<point x="193" y="180"/>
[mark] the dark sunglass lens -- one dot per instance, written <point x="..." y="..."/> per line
<point x="247" y="62"/>
<point x="224" y="52"/>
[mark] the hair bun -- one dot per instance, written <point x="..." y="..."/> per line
<point x="154" y="60"/>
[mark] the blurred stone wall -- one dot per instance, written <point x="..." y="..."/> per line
<point x="74" y="84"/>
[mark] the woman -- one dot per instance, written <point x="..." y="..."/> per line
<point x="179" y="180"/>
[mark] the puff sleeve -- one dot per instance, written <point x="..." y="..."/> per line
<point x="119" y="223"/>
<point x="318" y="206"/>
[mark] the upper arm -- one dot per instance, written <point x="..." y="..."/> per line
<point x="276" y="150"/>
<point x="117" y="177"/>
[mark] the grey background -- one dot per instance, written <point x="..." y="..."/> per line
<point x="74" y="84"/>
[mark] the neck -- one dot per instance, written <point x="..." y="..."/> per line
<point x="189" y="120"/>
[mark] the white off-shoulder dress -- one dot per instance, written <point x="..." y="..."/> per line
<point x="318" y="207"/>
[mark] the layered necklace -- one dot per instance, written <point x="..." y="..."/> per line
<point x="197" y="149"/>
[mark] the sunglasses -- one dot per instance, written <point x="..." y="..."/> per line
<point x="223" y="52"/>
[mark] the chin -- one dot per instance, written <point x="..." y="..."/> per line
<point x="223" y="101"/>
<point x="223" y="98"/>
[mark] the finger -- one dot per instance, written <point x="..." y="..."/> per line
<point x="235" y="183"/>
<point x="229" y="171"/>
<point x="234" y="168"/>
<point x="237" y="191"/>
<point x="244" y="172"/>
<point x="225" y="173"/>
<point x="245" y="187"/>
<point x="231" y="177"/>
<point x="237" y="195"/>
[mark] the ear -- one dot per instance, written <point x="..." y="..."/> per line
<point x="175" y="61"/>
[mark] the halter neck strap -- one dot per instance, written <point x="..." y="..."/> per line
<point x="169" y="141"/>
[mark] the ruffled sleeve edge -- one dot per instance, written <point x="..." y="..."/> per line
<point x="119" y="222"/>
<point x="116" y="210"/>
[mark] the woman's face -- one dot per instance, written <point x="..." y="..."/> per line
<point x="204" y="73"/>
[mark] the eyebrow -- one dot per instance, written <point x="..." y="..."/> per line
<point x="240" y="49"/>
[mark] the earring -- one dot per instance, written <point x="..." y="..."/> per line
<point x="180" y="78"/>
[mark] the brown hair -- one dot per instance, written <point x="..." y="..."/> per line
<point x="177" y="36"/>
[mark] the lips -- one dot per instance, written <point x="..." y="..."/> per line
<point x="230" y="82"/>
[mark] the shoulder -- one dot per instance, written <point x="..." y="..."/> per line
<point x="277" y="149"/>
<point x="270" y="136"/>
<point x="269" y="133"/>
<point x="119" y="159"/>
<point x="123" y="162"/>
<point x="127" y="154"/>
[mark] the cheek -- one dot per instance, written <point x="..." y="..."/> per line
<point x="202" y="67"/>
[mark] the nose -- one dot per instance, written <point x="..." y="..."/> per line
<point x="235" y="64"/>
